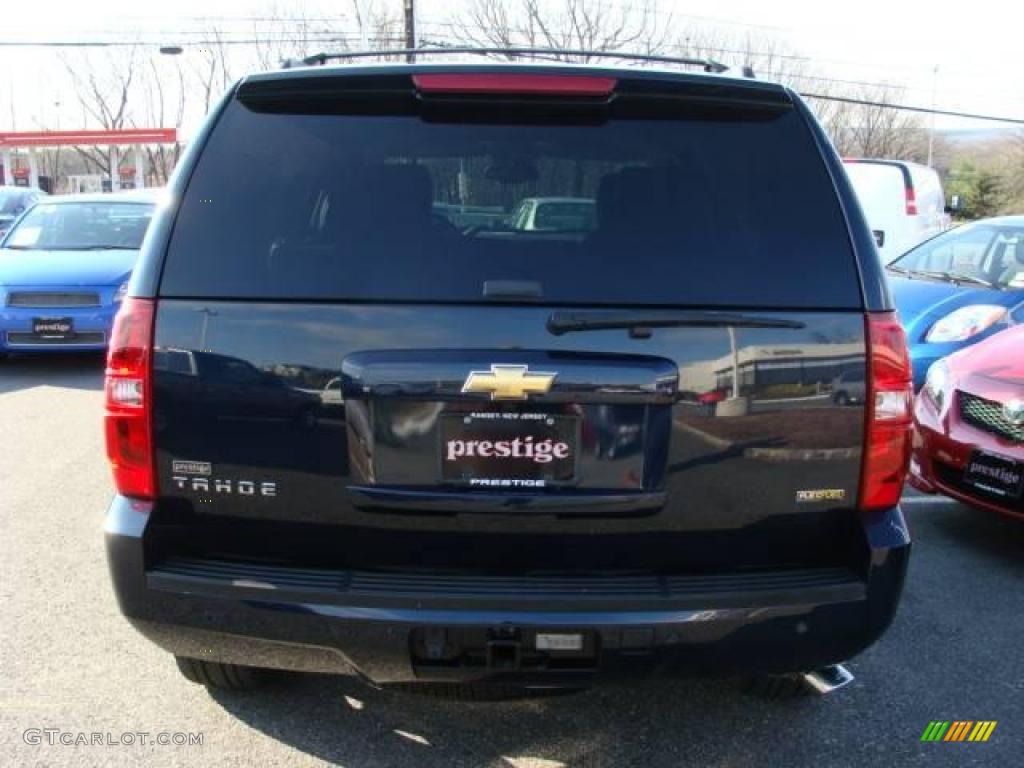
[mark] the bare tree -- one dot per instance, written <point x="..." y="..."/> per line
<point x="120" y="88"/>
<point x="378" y="27"/>
<point x="590" y="25"/>
<point x="211" y="71"/>
<point x="1014" y="171"/>
<point x="289" y="31"/>
<point x="124" y="89"/>
<point x="766" y="55"/>
<point x="131" y="86"/>
<point x="491" y="24"/>
<point x="164" y="101"/>
<point x="865" y="127"/>
<point x="104" y="86"/>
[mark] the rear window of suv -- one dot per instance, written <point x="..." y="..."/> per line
<point x="726" y="210"/>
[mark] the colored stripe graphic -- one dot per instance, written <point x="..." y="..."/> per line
<point x="982" y="730"/>
<point x="958" y="730"/>
<point x="935" y="730"/>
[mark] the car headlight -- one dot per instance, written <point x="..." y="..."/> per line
<point x="122" y="291"/>
<point x="963" y="323"/>
<point x="937" y="384"/>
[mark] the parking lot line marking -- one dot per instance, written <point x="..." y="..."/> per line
<point x="937" y="500"/>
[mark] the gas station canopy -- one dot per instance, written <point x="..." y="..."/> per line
<point x="127" y="136"/>
<point x="11" y="141"/>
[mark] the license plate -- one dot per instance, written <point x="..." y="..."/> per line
<point x="557" y="641"/>
<point x="508" y="450"/>
<point x="53" y="327"/>
<point x="995" y="474"/>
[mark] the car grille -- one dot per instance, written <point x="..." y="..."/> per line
<point x="30" y="339"/>
<point x="53" y="299"/>
<point x="988" y="415"/>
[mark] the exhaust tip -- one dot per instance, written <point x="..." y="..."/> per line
<point x="827" y="679"/>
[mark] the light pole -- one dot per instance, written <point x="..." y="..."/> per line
<point x="931" y="131"/>
<point x="409" y="12"/>
<point x="56" y="152"/>
<point x="735" y="363"/>
<point x="206" y="313"/>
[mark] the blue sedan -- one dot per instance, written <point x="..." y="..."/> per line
<point x="64" y="268"/>
<point x="959" y="288"/>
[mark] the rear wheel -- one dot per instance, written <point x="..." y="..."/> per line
<point x="842" y="398"/>
<point x="214" y="674"/>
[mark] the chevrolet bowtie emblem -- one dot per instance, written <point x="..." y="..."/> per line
<point x="509" y="382"/>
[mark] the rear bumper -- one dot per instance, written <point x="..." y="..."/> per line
<point x="375" y="625"/>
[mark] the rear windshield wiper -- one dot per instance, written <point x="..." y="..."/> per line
<point x="640" y="323"/>
<point x="96" y="248"/>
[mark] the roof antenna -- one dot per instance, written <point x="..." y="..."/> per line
<point x="748" y="71"/>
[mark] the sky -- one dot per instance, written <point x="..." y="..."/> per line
<point x="963" y="56"/>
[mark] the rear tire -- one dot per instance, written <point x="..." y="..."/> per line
<point x="219" y="676"/>
<point x="842" y="398"/>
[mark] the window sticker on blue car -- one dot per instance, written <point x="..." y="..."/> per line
<point x="25" y="236"/>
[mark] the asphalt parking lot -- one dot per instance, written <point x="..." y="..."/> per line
<point x="68" y="661"/>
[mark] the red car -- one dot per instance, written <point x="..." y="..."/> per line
<point x="969" y="442"/>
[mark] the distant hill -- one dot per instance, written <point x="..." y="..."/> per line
<point x="975" y="135"/>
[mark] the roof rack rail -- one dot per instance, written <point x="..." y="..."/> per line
<point x="708" y="65"/>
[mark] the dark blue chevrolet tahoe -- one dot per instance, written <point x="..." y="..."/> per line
<point x="361" y="421"/>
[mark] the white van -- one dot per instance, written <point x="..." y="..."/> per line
<point x="903" y="202"/>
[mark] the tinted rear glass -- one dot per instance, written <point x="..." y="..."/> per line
<point x="724" y="211"/>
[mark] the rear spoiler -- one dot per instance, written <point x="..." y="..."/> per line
<point x="414" y="91"/>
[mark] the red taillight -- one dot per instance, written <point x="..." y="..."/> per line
<point x="129" y="400"/>
<point x="889" y="413"/>
<point x="484" y="83"/>
<point x="911" y="199"/>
